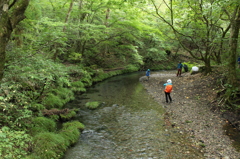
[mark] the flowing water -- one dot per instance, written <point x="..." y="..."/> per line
<point x="128" y="125"/>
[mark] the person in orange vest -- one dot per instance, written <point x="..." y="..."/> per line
<point x="167" y="90"/>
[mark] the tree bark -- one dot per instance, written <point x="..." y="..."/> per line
<point x="68" y="15"/>
<point x="10" y="15"/>
<point x="233" y="43"/>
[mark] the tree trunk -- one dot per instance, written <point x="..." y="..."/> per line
<point x="106" y="24"/>
<point x="233" y="43"/>
<point x="208" y="68"/>
<point x="10" y="16"/>
<point x="68" y="15"/>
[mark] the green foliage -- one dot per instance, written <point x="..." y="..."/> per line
<point x="14" y="144"/>
<point x="54" y="117"/>
<point x="53" y="101"/>
<point x="36" y="107"/>
<point x="78" y="86"/>
<point x="80" y="74"/>
<point x="101" y="75"/>
<point x="35" y="79"/>
<point x="42" y="124"/>
<point x="58" y="97"/>
<point x="130" y="68"/>
<point x="14" y="116"/>
<point x="50" y="57"/>
<point x="92" y="105"/>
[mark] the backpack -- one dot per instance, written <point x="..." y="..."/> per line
<point x="168" y="88"/>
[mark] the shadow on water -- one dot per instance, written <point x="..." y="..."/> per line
<point x="129" y="125"/>
<point x="233" y="134"/>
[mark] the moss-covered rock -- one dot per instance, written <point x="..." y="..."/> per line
<point x="92" y="105"/>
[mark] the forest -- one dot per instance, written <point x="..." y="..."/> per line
<point x="51" y="50"/>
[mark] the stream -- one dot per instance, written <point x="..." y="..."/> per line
<point x="128" y="125"/>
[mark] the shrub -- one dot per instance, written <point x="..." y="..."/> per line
<point x="14" y="144"/>
<point x="14" y="116"/>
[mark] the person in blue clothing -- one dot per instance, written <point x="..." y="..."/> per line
<point x="179" y="69"/>
<point x="148" y="73"/>
<point x="238" y="61"/>
<point x="167" y="90"/>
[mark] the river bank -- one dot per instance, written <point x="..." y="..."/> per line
<point x="190" y="112"/>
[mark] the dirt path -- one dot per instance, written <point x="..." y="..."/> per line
<point x="190" y="112"/>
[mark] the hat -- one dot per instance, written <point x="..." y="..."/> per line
<point x="148" y="69"/>
<point x="169" y="81"/>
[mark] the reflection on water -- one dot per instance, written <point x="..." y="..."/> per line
<point x="129" y="125"/>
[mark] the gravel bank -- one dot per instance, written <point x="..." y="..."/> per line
<point x="190" y="112"/>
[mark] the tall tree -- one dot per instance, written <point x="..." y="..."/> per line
<point x="11" y="13"/>
<point x="196" y="25"/>
<point x="232" y="54"/>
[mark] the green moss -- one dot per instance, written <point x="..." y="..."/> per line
<point x="54" y="117"/>
<point x="53" y="145"/>
<point x="188" y="121"/>
<point x="76" y="124"/>
<point x="78" y="86"/>
<point x="49" y="145"/>
<point x="68" y="115"/>
<point x="53" y="101"/>
<point x="58" y="97"/>
<point x="70" y="131"/>
<point x="42" y="124"/>
<point x="37" y="107"/>
<point x="92" y="105"/>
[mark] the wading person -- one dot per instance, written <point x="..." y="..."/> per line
<point x="148" y="74"/>
<point x="179" y="69"/>
<point x="167" y="90"/>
